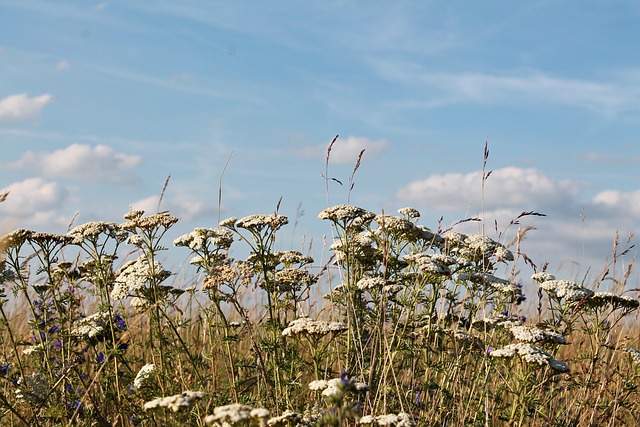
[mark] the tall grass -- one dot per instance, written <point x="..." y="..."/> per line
<point x="419" y="326"/>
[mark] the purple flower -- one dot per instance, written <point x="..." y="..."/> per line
<point x="101" y="358"/>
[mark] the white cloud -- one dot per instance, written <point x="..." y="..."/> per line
<point x="21" y="106"/>
<point x="34" y="203"/>
<point x="84" y="162"/>
<point x="508" y="187"/>
<point x="346" y="151"/>
<point x="576" y="229"/>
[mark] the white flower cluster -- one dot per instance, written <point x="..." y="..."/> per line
<point x="134" y="275"/>
<point x="293" y="278"/>
<point x="346" y="213"/>
<point x="332" y="387"/>
<point x="143" y="375"/>
<point x="530" y="334"/>
<point x="498" y="320"/>
<point x="398" y="420"/>
<point x="305" y="325"/>
<point x="530" y="354"/>
<point x="605" y="299"/>
<point x="136" y="220"/>
<point x="199" y="237"/>
<point x="542" y="277"/>
<point x="293" y="257"/>
<point x="431" y="264"/>
<point x="36" y="348"/>
<point x="476" y="246"/>
<point x="176" y="402"/>
<point x="369" y="283"/>
<point x="236" y="413"/>
<point x="567" y="289"/>
<point x="90" y="326"/>
<point x="258" y="221"/>
<point x="93" y="229"/>
<point x="229" y="222"/>
<point x="288" y="418"/>
<point x="409" y="212"/>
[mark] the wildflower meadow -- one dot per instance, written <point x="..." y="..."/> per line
<point x="401" y="324"/>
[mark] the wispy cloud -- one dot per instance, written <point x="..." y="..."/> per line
<point x="82" y="162"/>
<point x="21" y="106"/>
<point x="612" y="97"/>
<point x="346" y="150"/>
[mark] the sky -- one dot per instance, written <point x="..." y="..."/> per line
<point x="102" y="101"/>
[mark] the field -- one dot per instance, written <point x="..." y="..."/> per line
<point x="403" y="325"/>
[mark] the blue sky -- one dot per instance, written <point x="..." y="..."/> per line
<point x="101" y="101"/>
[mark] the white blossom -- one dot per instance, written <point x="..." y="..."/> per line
<point x="176" y="402"/>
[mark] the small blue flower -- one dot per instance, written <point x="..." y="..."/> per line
<point x="101" y="358"/>
<point x="4" y="369"/>
<point x="122" y="325"/>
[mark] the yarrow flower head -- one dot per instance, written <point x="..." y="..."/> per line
<point x="566" y="289"/>
<point x="143" y="375"/>
<point x="288" y="418"/>
<point x="607" y="299"/>
<point x="135" y="275"/>
<point x="136" y="220"/>
<point x="542" y="277"/>
<point x="92" y="230"/>
<point x="398" y="420"/>
<point x="176" y="402"/>
<point x="236" y="413"/>
<point x="317" y="328"/>
<point x="256" y="223"/>
<point x="531" y="354"/>
<point x="338" y="386"/>
<point x="530" y="334"/>
<point x="347" y="214"/>
<point x="409" y="213"/>
<point x="93" y="326"/>
<point x="198" y="239"/>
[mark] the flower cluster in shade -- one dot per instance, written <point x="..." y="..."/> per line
<point x="96" y="325"/>
<point x="229" y="415"/>
<point x="316" y="328"/>
<point x="531" y="354"/>
<point x="143" y="375"/>
<point x="574" y="293"/>
<point x="401" y="419"/>
<point x="177" y="402"/>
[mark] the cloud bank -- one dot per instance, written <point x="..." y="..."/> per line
<point x="82" y="162"/>
<point x="577" y="228"/>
